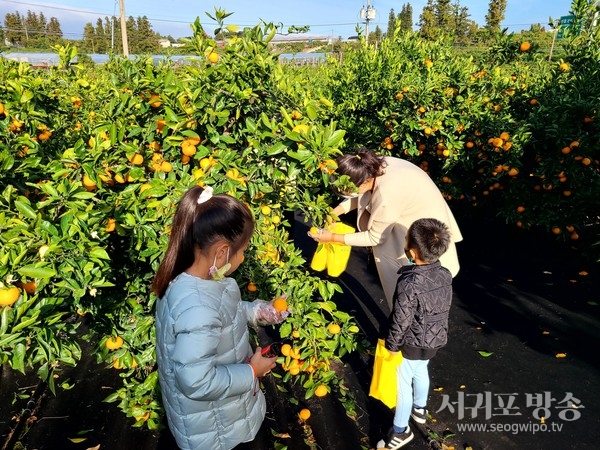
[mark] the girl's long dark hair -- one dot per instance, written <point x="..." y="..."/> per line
<point x="198" y="226"/>
<point x="361" y="165"/>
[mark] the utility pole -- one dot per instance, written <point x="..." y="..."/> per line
<point x="112" y="28"/>
<point x="332" y="42"/>
<point x="367" y="14"/>
<point x="124" y="29"/>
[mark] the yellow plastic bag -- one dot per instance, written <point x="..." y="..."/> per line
<point x="333" y="256"/>
<point x="384" y="386"/>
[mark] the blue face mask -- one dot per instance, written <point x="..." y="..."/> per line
<point x="407" y="253"/>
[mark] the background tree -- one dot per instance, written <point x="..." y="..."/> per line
<point x="147" y="40"/>
<point x="495" y="15"/>
<point x="464" y="28"/>
<point x="428" y="22"/>
<point x="14" y="31"/>
<point x="406" y="17"/>
<point x="88" y="43"/>
<point x="102" y="38"/>
<point x="54" y="33"/>
<point x="377" y="35"/>
<point x="391" y="24"/>
<point x="443" y="15"/>
<point x="35" y="30"/>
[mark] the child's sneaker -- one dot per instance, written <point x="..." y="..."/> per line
<point x="419" y="415"/>
<point x="395" y="441"/>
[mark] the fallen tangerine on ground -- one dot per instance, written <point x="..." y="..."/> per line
<point x="321" y="390"/>
<point x="114" y="342"/>
<point x="280" y="304"/>
<point x="304" y="413"/>
<point x="143" y="417"/>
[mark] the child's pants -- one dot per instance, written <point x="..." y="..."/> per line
<point x="413" y="389"/>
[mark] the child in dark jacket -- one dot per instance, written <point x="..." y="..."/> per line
<point x="418" y="324"/>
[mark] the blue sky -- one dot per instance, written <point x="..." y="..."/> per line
<point x="325" y="17"/>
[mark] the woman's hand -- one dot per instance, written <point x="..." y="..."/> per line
<point x="322" y="235"/>
<point x="260" y="364"/>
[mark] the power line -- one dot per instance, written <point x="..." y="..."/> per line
<point x="174" y="21"/>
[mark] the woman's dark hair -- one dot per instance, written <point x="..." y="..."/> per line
<point x="360" y="165"/>
<point x="429" y="238"/>
<point x="198" y="226"/>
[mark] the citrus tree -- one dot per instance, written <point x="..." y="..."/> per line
<point x="94" y="160"/>
<point x="506" y="130"/>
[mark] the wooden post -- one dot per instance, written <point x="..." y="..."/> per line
<point x="124" y="29"/>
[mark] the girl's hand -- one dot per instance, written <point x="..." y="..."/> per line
<point x="260" y="364"/>
<point x="266" y="313"/>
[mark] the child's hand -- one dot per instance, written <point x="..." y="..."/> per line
<point x="260" y="364"/>
<point x="273" y="312"/>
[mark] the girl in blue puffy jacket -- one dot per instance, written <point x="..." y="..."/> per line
<point x="207" y="371"/>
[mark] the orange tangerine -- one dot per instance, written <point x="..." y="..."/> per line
<point x="280" y="304"/>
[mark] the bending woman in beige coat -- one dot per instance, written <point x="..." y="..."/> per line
<point x="391" y="194"/>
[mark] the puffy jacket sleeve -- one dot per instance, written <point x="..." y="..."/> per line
<point x="197" y="334"/>
<point x="250" y="309"/>
<point x="405" y="305"/>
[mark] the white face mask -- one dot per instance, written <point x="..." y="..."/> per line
<point x="353" y="195"/>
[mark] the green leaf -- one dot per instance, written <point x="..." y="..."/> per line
<point x="311" y="112"/>
<point x="25" y="209"/>
<point x="485" y="354"/>
<point x="83" y="195"/>
<point x="334" y="140"/>
<point x="26" y="96"/>
<point x="32" y="271"/>
<point x="18" y="359"/>
<point x="99" y="253"/>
